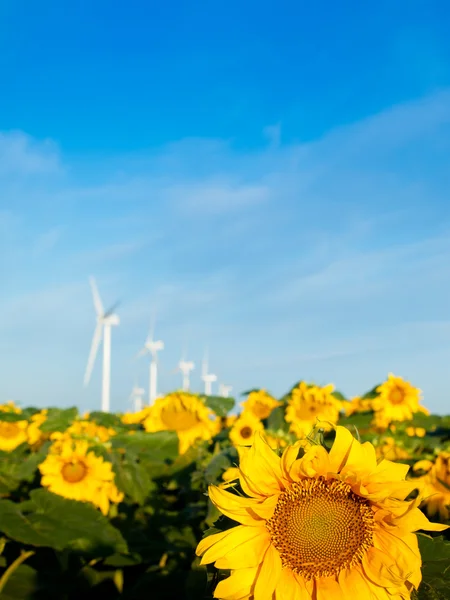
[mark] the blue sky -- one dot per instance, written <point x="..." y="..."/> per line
<point x="272" y="178"/>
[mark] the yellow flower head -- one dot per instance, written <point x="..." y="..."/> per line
<point x="244" y="429"/>
<point x="260" y="403"/>
<point x="436" y="485"/>
<point x="76" y="473"/>
<point x="184" y="413"/>
<point x="388" y="448"/>
<point x="397" y="400"/>
<point x="322" y="527"/>
<point x="90" y="430"/>
<point x="34" y="433"/>
<point x="356" y="405"/>
<point x="309" y="404"/>
<point x="10" y="407"/>
<point x="12" y="434"/>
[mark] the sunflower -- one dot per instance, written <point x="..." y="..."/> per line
<point x="324" y="526"/>
<point x="436" y="485"/>
<point x="389" y="449"/>
<point x="34" y="432"/>
<point x="184" y="413"/>
<point x="357" y="405"/>
<point x="89" y="429"/>
<point x="244" y="428"/>
<point x="76" y="473"/>
<point x="309" y="403"/>
<point x="397" y="400"/>
<point x="260" y="403"/>
<point x="12" y="434"/>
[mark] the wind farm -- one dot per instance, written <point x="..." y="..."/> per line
<point x="139" y="397"/>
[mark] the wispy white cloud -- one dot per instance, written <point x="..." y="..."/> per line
<point x="22" y="155"/>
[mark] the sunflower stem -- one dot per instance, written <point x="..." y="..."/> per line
<point x="13" y="566"/>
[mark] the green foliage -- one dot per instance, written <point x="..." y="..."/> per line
<point x="58" y="419"/>
<point x="52" y="521"/>
<point x="220" y="405"/>
<point x="435" y="554"/>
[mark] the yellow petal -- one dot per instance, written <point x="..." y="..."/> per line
<point x="289" y="586"/>
<point x="236" y="507"/>
<point x="242" y="547"/>
<point x="380" y="568"/>
<point x="423" y="465"/>
<point x="261" y="474"/>
<point x="237" y="586"/>
<point x="404" y="553"/>
<point x="315" y="462"/>
<point x="353" y="583"/>
<point x="210" y="540"/>
<point x="269" y="575"/>
<point x="289" y="456"/>
<point x="340" y="449"/>
<point x="328" y="587"/>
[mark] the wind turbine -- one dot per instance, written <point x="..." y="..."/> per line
<point x="207" y="378"/>
<point x="185" y="367"/>
<point x="105" y="320"/>
<point x="137" y="398"/>
<point x="224" y="390"/>
<point x="152" y="347"/>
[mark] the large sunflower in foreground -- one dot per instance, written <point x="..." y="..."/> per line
<point x="260" y="403"/>
<point x="436" y="491"/>
<point x="309" y="403"/>
<point x="326" y="526"/>
<point x="76" y="473"/>
<point x="184" y="413"/>
<point x="397" y="400"/>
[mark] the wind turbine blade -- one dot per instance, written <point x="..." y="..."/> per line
<point x="96" y="297"/>
<point x="98" y="333"/>
<point x="112" y="309"/>
<point x="141" y="352"/>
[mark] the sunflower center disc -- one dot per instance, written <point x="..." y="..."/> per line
<point x="261" y="410"/>
<point x="178" y="420"/>
<point x="246" y="432"/>
<point x="396" y="396"/>
<point x="321" y="527"/>
<point x="74" y="472"/>
<point x="8" y="430"/>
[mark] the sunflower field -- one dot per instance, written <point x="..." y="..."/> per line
<point x="310" y="496"/>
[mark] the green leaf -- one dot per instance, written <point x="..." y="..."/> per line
<point x="60" y="523"/>
<point x="157" y="447"/>
<point x="220" y="405"/>
<point x="11" y="417"/>
<point x="276" y="420"/>
<point x="27" y="468"/>
<point x="435" y="554"/>
<point x="371" y="393"/>
<point x="133" y="479"/>
<point x="338" y="395"/>
<point x="106" y="419"/>
<point x="59" y="419"/>
<point x="23" y="584"/>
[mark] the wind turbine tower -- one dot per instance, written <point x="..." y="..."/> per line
<point x="152" y="347"/>
<point x="105" y="320"/>
<point x="224" y="390"/>
<point x="207" y="378"/>
<point x="186" y="367"/>
<point x="137" y="398"/>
